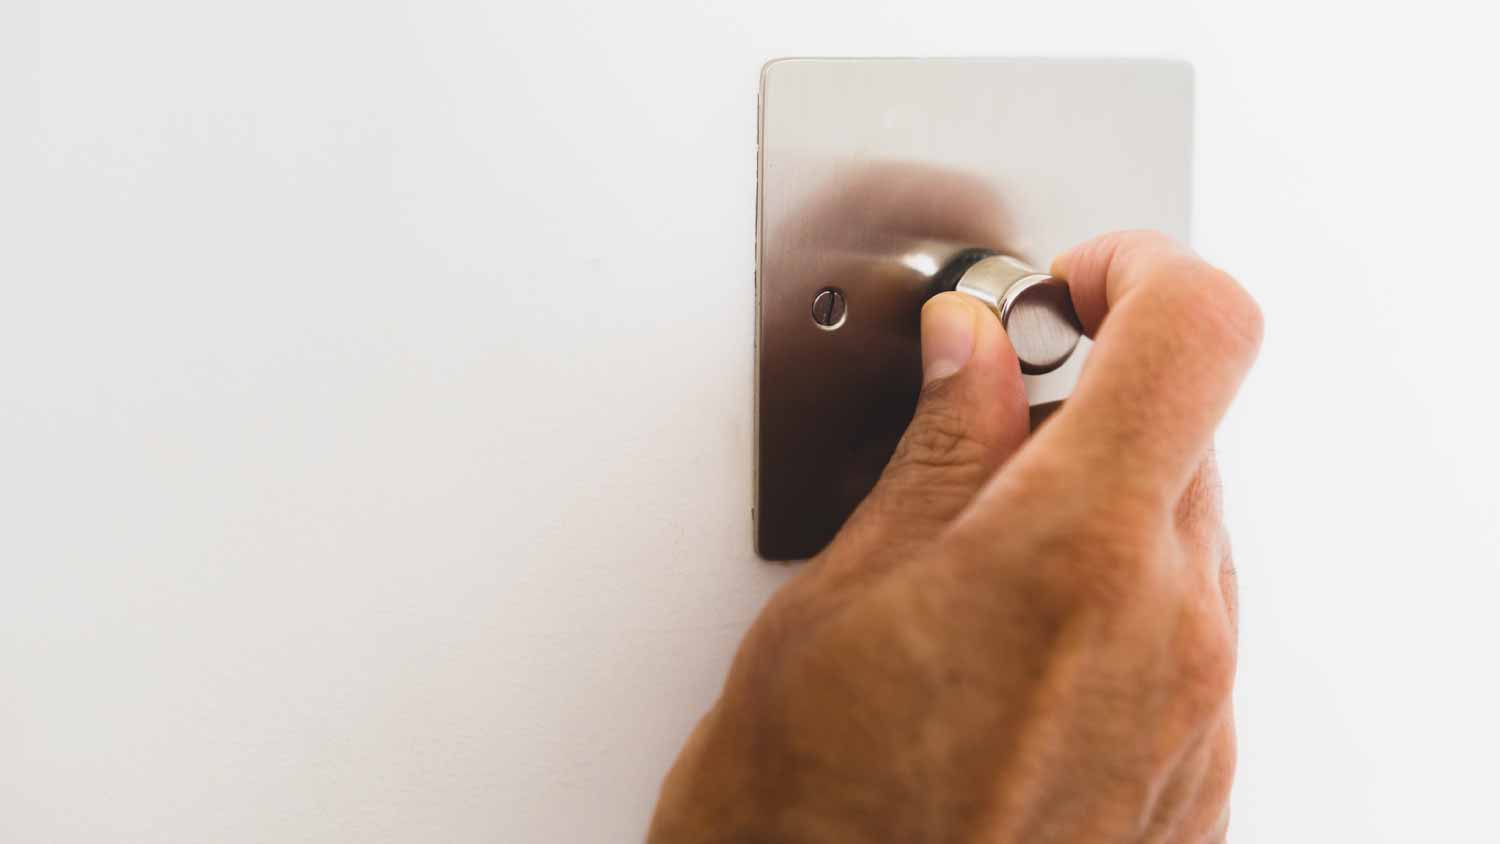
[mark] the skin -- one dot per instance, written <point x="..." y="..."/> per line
<point x="1015" y="638"/>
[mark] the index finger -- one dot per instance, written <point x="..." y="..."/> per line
<point x="1173" y="339"/>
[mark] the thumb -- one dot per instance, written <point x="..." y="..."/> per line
<point x="971" y="416"/>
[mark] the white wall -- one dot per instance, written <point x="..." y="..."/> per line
<point x="375" y="388"/>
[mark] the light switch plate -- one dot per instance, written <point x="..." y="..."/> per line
<point x="872" y="172"/>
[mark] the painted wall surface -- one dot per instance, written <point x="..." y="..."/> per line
<point x="375" y="402"/>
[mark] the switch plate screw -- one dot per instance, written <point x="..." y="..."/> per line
<point x="829" y="308"/>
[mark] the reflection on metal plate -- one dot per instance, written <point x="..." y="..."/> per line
<point x="876" y="175"/>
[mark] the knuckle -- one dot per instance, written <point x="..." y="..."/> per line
<point x="1204" y="297"/>
<point x="1237" y="311"/>
<point x="1205" y="658"/>
<point x="1221" y="308"/>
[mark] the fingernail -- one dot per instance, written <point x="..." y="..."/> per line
<point x="947" y="337"/>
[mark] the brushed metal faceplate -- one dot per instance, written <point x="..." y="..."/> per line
<point x="872" y="173"/>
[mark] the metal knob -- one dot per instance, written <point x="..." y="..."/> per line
<point x="1034" y="307"/>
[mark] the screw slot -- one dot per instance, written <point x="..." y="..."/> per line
<point x="829" y="308"/>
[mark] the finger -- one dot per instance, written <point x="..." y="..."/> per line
<point x="1173" y="338"/>
<point x="971" y="416"/>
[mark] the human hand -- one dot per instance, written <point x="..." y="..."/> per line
<point x="1013" y="639"/>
